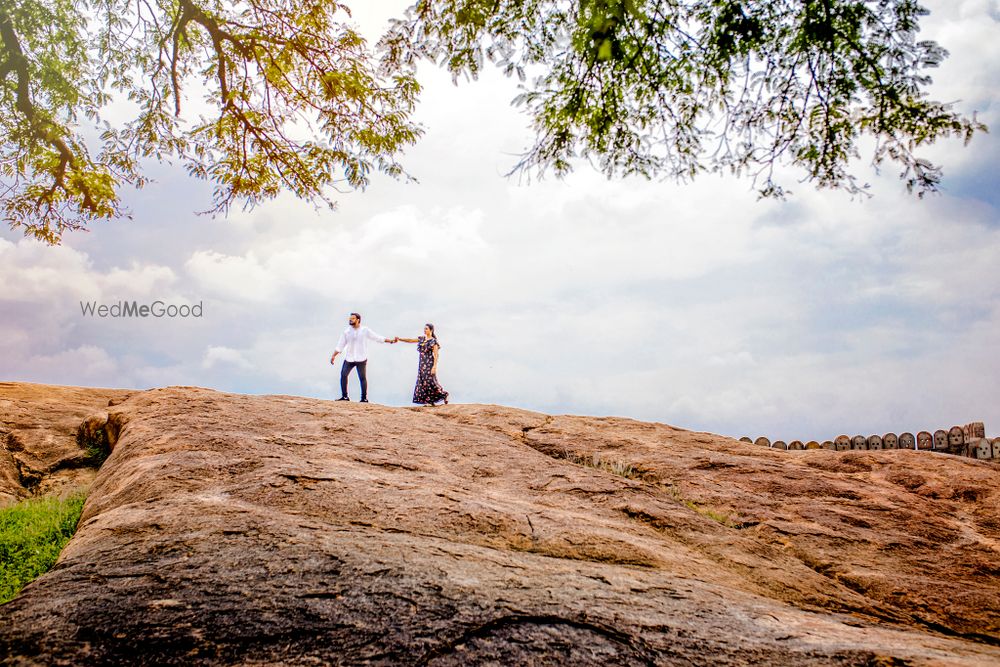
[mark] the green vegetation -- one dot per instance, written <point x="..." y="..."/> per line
<point x="678" y="88"/>
<point x="616" y="467"/>
<point x="96" y="445"/>
<point x="96" y="453"/>
<point x="624" y="469"/>
<point x="718" y="517"/>
<point x="295" y="100"/>
<point x="32" y="534"/>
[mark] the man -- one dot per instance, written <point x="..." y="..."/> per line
<point x="354" y="344"/>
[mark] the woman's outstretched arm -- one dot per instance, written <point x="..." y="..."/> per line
<point x="407" y="340"/>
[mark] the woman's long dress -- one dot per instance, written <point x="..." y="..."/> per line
<point x="428" y="389"/>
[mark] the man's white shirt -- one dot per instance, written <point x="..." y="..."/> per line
<point x="354" y="343"/>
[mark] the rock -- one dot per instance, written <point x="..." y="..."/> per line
<point x="227" y="529"/>
<point x="99" y="433"/>
<point x="39" y="452"/>
<point x="974" y="431"/>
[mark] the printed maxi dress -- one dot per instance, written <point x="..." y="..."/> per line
<point x="428" y="389"/>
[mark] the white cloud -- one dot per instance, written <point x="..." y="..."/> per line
<point x="361" y="261"/>
<point x="239" y="278"/>
<point x="223" y="356"/>
<point x="30" y="271"/>
<point x="138" y="281"/>
<point x="85" y="364"/>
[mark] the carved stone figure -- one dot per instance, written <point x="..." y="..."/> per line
<point x="956" y="440"/>
<point x="925" y="440"/>
<point x="974" y="431"/>
<point x="762" y="441"/>
<point x="983" y="449"/>
<point x="940" y="440"/>
<point x="890" y="441"/>
<point x="842" y="443"/>
<point x="795" y="445"/>
<point x="828" y="444"/>
<point x="779" y="444"/>
<point x="859" y="442"/>
<point x="874" y="442"/>
<point x="907" y="441"/>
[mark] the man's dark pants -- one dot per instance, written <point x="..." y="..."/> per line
<point x="345" y="370"/>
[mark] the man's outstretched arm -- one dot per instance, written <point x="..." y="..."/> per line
<point x="378" y="337"/>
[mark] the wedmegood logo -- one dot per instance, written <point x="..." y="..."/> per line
<point x="135" y="309"/>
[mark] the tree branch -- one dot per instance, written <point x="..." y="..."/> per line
<point x="41" y="128"/>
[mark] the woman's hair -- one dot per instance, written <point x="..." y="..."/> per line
<point x="431" y="327"/>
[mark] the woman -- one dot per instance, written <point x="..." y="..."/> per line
<point x="428" y="390"/>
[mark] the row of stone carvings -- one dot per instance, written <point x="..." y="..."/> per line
<point x="969" y="440"/>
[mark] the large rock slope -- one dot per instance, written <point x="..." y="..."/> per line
<point x="234" y="529"/>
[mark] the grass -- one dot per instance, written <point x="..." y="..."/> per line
<point x="708" y="512"/>
<point x="616" y="467"/>
<point x="628" y="470"/>
<point x="718" y="517"/>
<point x="96" y="445"/>
<point x="32" y="534"/>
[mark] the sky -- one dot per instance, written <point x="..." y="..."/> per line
<point x="696" y="305"/>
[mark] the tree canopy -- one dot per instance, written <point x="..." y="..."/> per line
<point x="296" y="100"/>
<point x="677" y="87"/>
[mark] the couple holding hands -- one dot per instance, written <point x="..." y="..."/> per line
<point x="354" y="344"/>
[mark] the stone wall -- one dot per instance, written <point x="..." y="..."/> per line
<point x="969" y="440"/>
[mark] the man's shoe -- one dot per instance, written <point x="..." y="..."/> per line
<point x="363" y="400"/>
<point x="343" y="398"/>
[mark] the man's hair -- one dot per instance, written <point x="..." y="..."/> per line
<point x="357" y="315"/>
